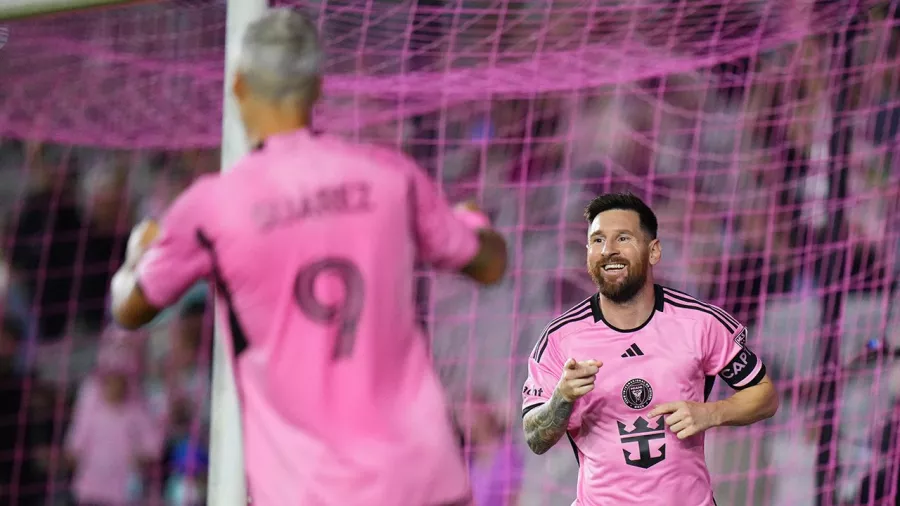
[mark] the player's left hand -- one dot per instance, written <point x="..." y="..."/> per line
<point x="685" y="418"/>
<point x="143" y="234"/>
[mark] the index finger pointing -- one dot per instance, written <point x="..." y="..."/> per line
<point x="663" y="409"/>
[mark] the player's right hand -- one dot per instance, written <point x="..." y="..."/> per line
<point x="577" y="378"/>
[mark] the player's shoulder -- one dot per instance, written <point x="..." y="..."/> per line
<point x="568" y="321"/>
<point x="570" y="317"/>
<point x="380" y="155"/>
<point x="683" y="305"/>
<point x="201" y="190"/>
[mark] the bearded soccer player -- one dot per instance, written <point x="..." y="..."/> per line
<point x="627" y="372"/>
<point x="312" y="242"/>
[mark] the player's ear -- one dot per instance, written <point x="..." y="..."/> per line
<point x="239" y="87"/>
<point x="655" y="252"/>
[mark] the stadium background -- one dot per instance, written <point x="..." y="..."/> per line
<point x="764" y="133"/>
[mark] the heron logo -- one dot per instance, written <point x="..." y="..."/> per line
<point x="4" y="36"/>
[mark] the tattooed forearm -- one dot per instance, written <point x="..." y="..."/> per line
<point x="544" y="426"/>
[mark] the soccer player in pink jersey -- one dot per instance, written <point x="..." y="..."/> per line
<point x="312" y="243"/>
<point x="626" y="373"/>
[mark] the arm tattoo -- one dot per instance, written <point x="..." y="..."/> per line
<point x="545" y="425"/>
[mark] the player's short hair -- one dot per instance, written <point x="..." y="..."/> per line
<point x="625" y="202"/>
<point x="282" y="56"/>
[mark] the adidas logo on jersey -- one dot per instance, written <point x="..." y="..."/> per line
<point x="633" y="351"/>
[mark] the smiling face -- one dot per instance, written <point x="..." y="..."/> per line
<point x="620" y="254"/>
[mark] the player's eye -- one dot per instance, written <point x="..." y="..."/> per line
<point x="623" y="238"/>
<point x="597" y="240"/>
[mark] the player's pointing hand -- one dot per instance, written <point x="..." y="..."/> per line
<point x="685" y="418"/>
<point x="577" y="378"/>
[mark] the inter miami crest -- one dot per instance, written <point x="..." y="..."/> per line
<point x="637" y="393"/>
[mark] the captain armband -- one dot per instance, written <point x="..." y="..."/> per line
<point x="744" y="370"/>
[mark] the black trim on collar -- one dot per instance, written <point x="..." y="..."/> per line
<point x="658" y="305"/>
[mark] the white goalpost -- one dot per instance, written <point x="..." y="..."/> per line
<point x="226" y="484"/>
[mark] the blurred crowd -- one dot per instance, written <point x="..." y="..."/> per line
<point x="737" y="160"/>
<point x="91" y="412"/>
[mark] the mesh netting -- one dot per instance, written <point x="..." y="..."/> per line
<point x="763" y="133"/>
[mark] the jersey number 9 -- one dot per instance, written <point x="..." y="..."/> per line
<point x="345" y="313"/>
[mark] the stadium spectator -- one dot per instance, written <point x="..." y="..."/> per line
<point x="186" y="484"/>
<point x="66" y="238"/>
<point x="22" y="474"/>
<point x="179" y="396"/>
<point x="107" y="214"/>
<point x="495" y="461"/>
<point x="44" y="238"/>
<point x="113" y="443"/>
<point x="181" y="383"/>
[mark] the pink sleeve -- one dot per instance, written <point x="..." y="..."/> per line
<point x="444" y="240"/>
<point x="77" y="436"/>
<point x="178" y="258"/>
<point x="725" y="352"/>
<point x="544" y="369"/>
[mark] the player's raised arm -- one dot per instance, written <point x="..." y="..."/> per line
<point x="460" y="238"/>
<point x="163" y="261"/>
<point x="546" y="423"/>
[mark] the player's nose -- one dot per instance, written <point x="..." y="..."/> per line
<point x="609" y="250"/>
<point x="609" y="253"/>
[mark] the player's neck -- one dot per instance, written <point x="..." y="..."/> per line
<point x="278" y="121"/>
<point x="632" y="314"/>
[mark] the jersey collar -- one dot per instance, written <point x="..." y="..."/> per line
<point x="657" y="306"/>
<point x="282" y="139"/>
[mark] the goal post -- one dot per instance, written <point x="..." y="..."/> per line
<point x="226" y="485"/>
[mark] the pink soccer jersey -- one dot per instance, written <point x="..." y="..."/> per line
<point x="625" y="458"/>
<point x="312" y="243"/>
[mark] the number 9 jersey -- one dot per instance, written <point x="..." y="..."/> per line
<point x="311" y="243"/>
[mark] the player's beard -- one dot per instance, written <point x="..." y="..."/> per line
<point x="620" y="291"/>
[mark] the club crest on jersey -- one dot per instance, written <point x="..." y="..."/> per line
<point x="637" y="393"/>
<point x="741" y="339"/>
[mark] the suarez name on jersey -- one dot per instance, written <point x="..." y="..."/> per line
<point x="624" y="457"/>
